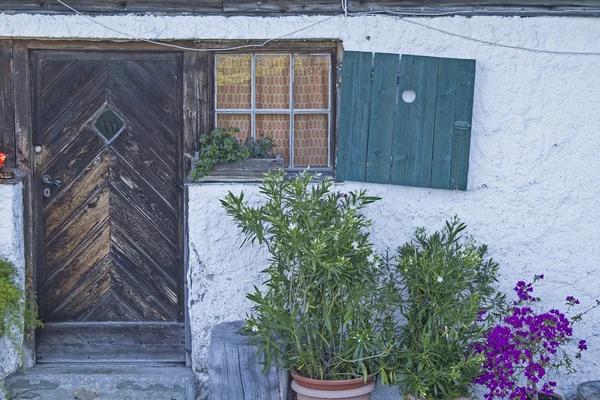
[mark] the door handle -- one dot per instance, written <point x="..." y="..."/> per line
<point x="47" y="179"/>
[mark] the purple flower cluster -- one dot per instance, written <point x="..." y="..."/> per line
<point x="523" y="291"/>
<point x="481" y="315"/>
<point x="523" y="346"/>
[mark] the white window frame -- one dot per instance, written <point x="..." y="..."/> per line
<point x="291" y="111"/>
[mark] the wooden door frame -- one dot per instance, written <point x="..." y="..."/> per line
<point x="195" y="80"/>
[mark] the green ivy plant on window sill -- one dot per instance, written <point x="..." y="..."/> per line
<point x="223" y="158"/>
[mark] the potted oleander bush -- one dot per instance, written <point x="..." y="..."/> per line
<point x="448" y="299"/>
<point x="523" y="352"/>
<point x="320" y="313"/>
<point x="222" y="156"/>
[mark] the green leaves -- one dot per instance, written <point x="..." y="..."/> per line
<point x="319" y="313"/>
<point x="261" y="147"/>
<point x="446" y="285"/>
<point x="15" y="310"/>
<point x="221" y="145"/>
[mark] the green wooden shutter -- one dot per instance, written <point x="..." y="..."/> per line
<point x="384" y="139"/>
<point x="434" y="131"/>
<point x="354" y="116"/>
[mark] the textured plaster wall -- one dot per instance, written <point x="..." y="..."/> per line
<point x="11" y="248"/>
<point x="534" y="194"/>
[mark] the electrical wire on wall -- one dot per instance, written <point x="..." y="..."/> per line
<point x="347" y="14"/>
<point x="93" y="20"/>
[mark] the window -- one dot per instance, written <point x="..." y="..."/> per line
<point x="284" y="96"/>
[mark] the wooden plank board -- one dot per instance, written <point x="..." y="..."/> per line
<point x="85" y="296"/>
<point x="143" y="233"/>
<point x="196" y="74"/>
<point x="131" y="49"/>
<point x="27" y="161"/>
<point x="278" y="7"/>
<point x="77" y="268"/>
<point x="61" y="95"/>
<point x="413" y="145"/>
<point x="354" y="116"/>
<point x="73" y="234"/>
<point x="160" y="293"/>
<point x="378" y="5"/>
<point x="128" y="78"/>
<point x="444" y="124"/>
<point x="234" y="370"/>
<point x="463" y="115"/>
<point x="381" y="124"/>
<point x="21" y="5"/>
<point x="191" y="96"/>
<point x="281" y="6"/>
<point x="7" y="105"/>
<point x="111" y="342"/>
<point x="253" y="168"/>
<point x="210" y="6"/>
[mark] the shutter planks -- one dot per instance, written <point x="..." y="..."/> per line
<point x="412" y="159"/>
<point x="444" y="125"/>
<point x="381" y="124"/>
<point x="464" y="81"/>
<point x="354" y="115"/>
<point x="424" y="143"/>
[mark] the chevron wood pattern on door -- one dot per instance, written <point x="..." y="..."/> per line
<point x="111" y="240"/>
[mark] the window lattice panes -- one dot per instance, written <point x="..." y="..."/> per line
<point x="311" y="142"/>
<point x="234" y="81"/>
<point x="240" y="121"/>
<point x="311" y="81"/>
<point x="276" y="126"/>
<point x="272" y="81"/>
<point x="284" y="96"/>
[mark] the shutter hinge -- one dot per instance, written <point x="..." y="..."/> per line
<point x="398" y="79"/>
<point x="372" y="75"/>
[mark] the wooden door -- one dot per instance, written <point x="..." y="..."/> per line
<point x="109" y="178"/>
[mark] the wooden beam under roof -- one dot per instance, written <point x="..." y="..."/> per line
<point x="291" y="7"/>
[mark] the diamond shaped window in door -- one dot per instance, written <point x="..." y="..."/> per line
<point x="108" y="125"/>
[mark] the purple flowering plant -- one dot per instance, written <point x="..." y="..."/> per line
<point x="520" y="352"/>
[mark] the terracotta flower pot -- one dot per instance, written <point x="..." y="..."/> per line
<point x="314" y="389"/>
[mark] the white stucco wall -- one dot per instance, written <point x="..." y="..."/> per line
<point x="534" y="192"/>
<point x="11" y="248"/>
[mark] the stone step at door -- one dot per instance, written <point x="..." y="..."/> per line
<point x="103" y="381"/>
